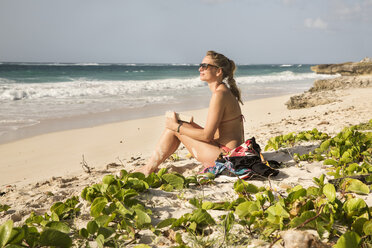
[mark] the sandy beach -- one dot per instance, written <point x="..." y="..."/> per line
<point x="37" y="171"/>
<point x="85" y="88"/>
<point x="60" y="153"/>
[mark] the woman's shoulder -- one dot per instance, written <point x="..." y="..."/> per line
<point x="223" y="92"/>
<point x="222" y="89"/>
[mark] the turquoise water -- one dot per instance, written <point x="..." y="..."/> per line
<point x="31" y="93"/>
<point x="49" y="73"/>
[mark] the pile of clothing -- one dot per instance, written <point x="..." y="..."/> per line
<point x="245" y="161"/>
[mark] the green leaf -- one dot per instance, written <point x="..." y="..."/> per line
<point x="330" y="192"/>
<point x="142" y="218"/>
<point x="321" y="228"/>
<point x="312" y="191"/>
<point x="104" y="220"/>
<point x="84" y="233"/>
<point x="123" y="174"/>
<point x="58" y="208"/>
<point x="296" y="195"/>
<point x="137" y="184"/>
<point x="5" y="232"/>
<point x="356" y="186"/>
<point x="242" y="186"/>
<point x="161" y="172"/>
<point x="92" y="227"/>
<point x="196" y="202"/>
<point x="32" y="237"/>
<point x="295" y="222"/>
<point x="367" y="227"/>
<point x="179" y="239"/>
<point x="60" y="226"/>
<point x="325" y="145"/>
<point x="17" y="235"/>
<point x="108" y="179"/>
<point x="191" y="179"/>
<point x="167" y="187"/>
<point x="193" y="226"/>
<point x="207" y="176"/>
<point x="246" y="209"/>
<point x="105" y="231"/>
<point x="278" y="210"/>
<point x="142" y="246"/>
<point x="251" y="188"/>
<point x="354" y="206"/>
<point x="348" y="240"/>
<point x="153" y="180"/>
<point x="97" y="206"/>
<point x="100" y="241"/>
<point x="182" y="220"/>
<point x="174" y="180"/>
<point x="166" y="222"/>
<point x="202" y="217"/>
<point x="330" y="162"/>
<point x="137" y="175"/>
<point x="207" y="205"/>
<point x="4" y="207"/>
<point x="357" y="225"/>
<point x="52" y="237"/>
<point x="129" y="193"/>
<point x="228" y="222"/>
<point x="296" y="188"/>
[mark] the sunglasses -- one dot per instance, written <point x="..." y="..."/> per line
<point x="204" y="66"/>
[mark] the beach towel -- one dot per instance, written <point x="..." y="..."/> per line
<point x="245" y="161"/>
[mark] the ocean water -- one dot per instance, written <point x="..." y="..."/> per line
<point x="32" y="93"/>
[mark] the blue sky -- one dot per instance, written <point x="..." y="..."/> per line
<point x="181" y="31"/>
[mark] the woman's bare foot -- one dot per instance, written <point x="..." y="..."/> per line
<point x="146" y="170"/>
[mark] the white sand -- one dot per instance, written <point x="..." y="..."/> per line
<point x="37" y="159"/>
<point x="60" y="153"/>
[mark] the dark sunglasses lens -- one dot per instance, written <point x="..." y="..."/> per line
<point x="204" y="66"/>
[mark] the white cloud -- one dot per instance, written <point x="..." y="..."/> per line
<point x="315" y="23"/>
<point x="358" y="10"/>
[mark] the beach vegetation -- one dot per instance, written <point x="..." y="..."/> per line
<point x="4" y="208"/>
<point x="117" y="216"/>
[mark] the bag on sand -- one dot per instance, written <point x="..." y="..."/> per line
<point x="245" y="161"/>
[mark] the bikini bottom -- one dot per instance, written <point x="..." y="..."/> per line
<point x="225" y="149"/>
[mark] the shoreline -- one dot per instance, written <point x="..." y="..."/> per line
<point x="60" y="153"/>
<point x="90" y="120"/>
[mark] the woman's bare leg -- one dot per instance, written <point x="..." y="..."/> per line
<point x="204" y="152"/>
<point x="166" y="146"/>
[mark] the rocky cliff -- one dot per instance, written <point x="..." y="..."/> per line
<point x="364" y="67"/>
<point x="354" y="75"/>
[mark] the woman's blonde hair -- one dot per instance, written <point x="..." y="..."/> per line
<point x="228" y="68"/>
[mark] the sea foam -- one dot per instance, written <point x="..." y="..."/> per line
<point x="281" y="77"/>
<point x="92" y="89"/>
<point x="84" y="88"/>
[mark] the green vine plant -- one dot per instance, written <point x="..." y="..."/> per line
<point x="117" y="215"/>
<point x="348" y="153"/>
<point x="290" y="139"/>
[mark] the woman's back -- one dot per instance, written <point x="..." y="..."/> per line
<point x="230" y="132"/>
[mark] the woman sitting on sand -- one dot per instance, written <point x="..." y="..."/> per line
<point x="224" y="126"/>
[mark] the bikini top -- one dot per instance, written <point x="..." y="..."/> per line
<point x="235" y="118"/>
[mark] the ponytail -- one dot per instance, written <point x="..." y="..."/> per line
<point x="228" y="68"/>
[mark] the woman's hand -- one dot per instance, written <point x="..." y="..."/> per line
<point x="172" y="122"/>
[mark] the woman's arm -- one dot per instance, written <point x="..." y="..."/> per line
<point x="215" y="113"/>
